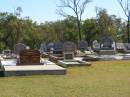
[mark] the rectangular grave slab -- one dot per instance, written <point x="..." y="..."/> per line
<point x="29" y="57"/>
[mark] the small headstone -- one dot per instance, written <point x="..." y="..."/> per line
<point x="95" y="45"/>
<point x="43" y="48"/>
<point x="83" y="45"/>
<point x="19" y="47"/>
<point x="29" y="57"/>
<point x="106" y="43"/>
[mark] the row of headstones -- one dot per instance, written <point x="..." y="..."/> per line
<point x="66" y="47"/>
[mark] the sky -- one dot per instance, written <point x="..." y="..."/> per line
<point x="45" y="10"/>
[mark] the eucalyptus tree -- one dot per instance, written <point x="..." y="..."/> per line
<point x="125" y="5"/>
<point x="74" y="8"/>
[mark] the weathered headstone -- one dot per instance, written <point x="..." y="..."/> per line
<point x="19" y="47"/>
<point x="43" y="48"/>
<point x="95" y="45"/>
<point x="69" y="50"/>
<point x="82" y="45"/>
<point x="50" y="47"/>
<point x="69" y="47"/>
<point x="29" y="57"/>
<point x="58" y="48"/>
<point x="106" y="43"/>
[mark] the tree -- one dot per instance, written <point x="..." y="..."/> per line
<point x="125" y="5"/>
<point x="78" y="7"/>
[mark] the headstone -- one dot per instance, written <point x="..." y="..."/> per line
<point x="43" y="48"/>
<point x="106" y="43"/>
<point x="29" y="57"/>
<point x="83" y="45"/>
<point x="58" y="48"/>
<point x="19" y="47"/>
<point x="50" y="47"/>
<point x="69" y="50"/>
<point x="69" y="47"/>
<point x="95" y="45"/>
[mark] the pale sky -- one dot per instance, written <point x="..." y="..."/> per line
<point x="45" y="10"/>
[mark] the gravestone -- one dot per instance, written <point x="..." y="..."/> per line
<point x="29" y="57"/>
<point x="107" y="46"/>
<point x="69" y="50"/>
<point x="43" y="48"/>
<point x="57" y="48"/>
<point x="19" y="47"/>
<point x="50" y="47"/>
<point x="95" y="45"/>
<point x="106" y="43"/>
<point x="82" y="45"/>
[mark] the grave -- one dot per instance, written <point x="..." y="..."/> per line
<point x="57" y="52"/>
<point x="43" y="50"/>
<point x="95" y="46"/>
<point x="82" y="45"/>
<point x="69" y="53"/>
<point x="107" y="46"/>
<point x="29" y="57"/>
<point x="7" y="54"/>
<point x="29" y="63"/>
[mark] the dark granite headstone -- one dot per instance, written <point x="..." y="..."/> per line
<point x="83" y="45"/>
<point x="19" y="47"/>
<point x="106" y="43"/>
<point x="50" y="47"/>
<point x="29" y="57"/>
<point x="58" y="48"/>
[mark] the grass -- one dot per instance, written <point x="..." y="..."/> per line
<point x="102" y="79"/>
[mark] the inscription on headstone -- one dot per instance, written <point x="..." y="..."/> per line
<point x="29" y="57"/>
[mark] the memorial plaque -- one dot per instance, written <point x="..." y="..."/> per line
<point x="19" y="47"/>
<point x="29" y="57"/>
<point x="69" y="47"/>
<point x="83" y="45"/>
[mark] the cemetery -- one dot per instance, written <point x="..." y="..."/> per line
<point x="54" y="58"/>
<point x="65" y="48"/>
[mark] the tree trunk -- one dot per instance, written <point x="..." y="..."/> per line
<point x="79" y="29"/>
<point x="128" y="25"/>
